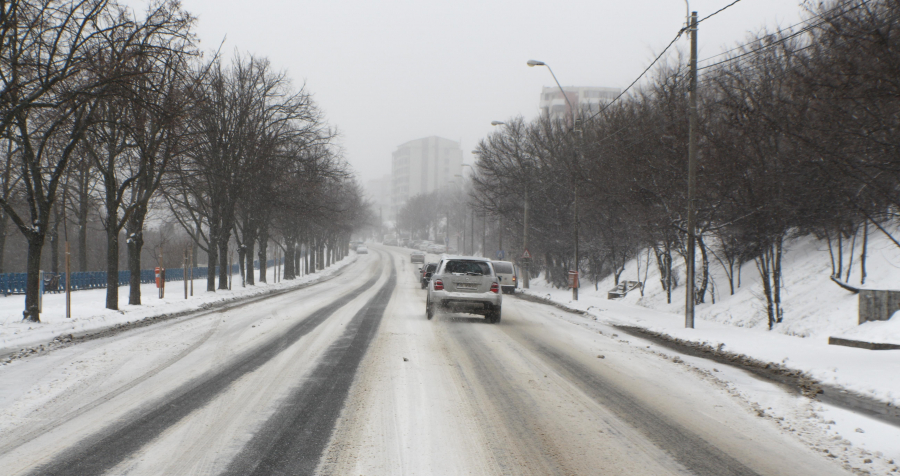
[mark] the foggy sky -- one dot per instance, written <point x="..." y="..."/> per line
<point x="386" y="72"/>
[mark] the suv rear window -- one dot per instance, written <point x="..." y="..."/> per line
<point x="505" y="268"/>
<point x="476" y="268"/>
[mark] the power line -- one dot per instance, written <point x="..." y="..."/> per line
<point x="677" y="36"/>
<point x="717" y="11"/>
<point x="682" y="71"/>
<point x="791" y="27"/>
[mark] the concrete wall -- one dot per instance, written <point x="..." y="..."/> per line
<point x="877" y="305"/>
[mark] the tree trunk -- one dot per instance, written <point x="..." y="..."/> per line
<point x="224" y="271"/>
<point x="850" y="258"/>
<point x="704" y="266"/>
<point x="32" y="286"/>
<point x="3" y="223"/>
<point x="777" y="279"/>
<point x="244" y="269"/>
<point x="112" y="266"/>
<point x="249" y="248"/>
<point x="212" y="254"/>
<point x="840" y="257"/>
<point x="135" y="244"/>
<point x="763" y="265"/>
<point x="289" y="250"/>
<point x="54" y="245"/>
<point x="328" y="253"/>
<point x="862" y="255"/>
<point x="263" y="255"/>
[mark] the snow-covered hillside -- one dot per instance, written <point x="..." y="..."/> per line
<point x="814" y="305"/>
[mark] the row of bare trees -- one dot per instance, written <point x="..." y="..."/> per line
<point x="114" y="114"/>
<point x="799" y="135"/>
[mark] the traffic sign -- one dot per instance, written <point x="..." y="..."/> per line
<point x="526" y="255"/>
<point x="501" y="254"/>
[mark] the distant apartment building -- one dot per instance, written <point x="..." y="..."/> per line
<point x="588" y="99"/>
<point x="379" y="191"/>
<point x="423" y="166"/>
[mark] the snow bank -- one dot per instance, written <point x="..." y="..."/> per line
<point x="89" y="313"/>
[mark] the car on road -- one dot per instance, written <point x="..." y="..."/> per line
<point x="425" y="273"/>
<point x="362" y="250"/>
<point x="506" y="273"/>
<point x="465" y="284"/>
<point x="417" y="257"/>
<point x="435" y="249"/>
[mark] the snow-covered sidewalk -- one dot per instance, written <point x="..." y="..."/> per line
<point x="89" y="313"/>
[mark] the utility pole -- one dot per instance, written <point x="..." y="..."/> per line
<point x="692" y="180"/>
<point x="579" y="128"/>
<point x="500" y="237"/>
<point x="472" y="233"/>
<point x="68" y="281"/>
<point x="484" y="235"/>
<point x="191" y="262"/>
<point x="527" y="262"/>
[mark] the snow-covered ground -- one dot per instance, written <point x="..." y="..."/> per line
<point x="815" y="308"/>
<point x="89" y="313"/>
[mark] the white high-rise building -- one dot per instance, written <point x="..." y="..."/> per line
<point x="423" y="166"/>
<point x="587" y="98"/>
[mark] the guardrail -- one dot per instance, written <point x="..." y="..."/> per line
<point x="14" y="283"/>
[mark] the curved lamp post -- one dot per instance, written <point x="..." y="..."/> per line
<point x="533" y="63"/>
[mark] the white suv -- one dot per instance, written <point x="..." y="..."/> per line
<point x="465" y="284"/>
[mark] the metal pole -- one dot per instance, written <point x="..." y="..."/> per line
<point x="472" y="233"/>
<point x="184" y="263"/>
<point x="68" y="284"/>
<point x="692" y="181"/>
<point x="500" y="237"/>
<point x="191" y="251"/>
<point x="527" y="263"/>
<point x="575" y="229"/>
<point x="484" y="235"/>
<point x="579" y="138"/>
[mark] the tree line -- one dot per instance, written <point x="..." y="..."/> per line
<point x="116" y="116"/>
<point x="799" y="135"/>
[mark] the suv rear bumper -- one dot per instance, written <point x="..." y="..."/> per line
<point x="447" y="299"/>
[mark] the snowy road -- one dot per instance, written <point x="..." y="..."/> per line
<point x="348" y="377"/>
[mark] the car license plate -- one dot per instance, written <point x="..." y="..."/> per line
<point x="467" y="285"/>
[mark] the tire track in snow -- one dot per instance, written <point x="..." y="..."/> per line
<point x="699" y="456"/>
<point x="113" y="445"/>
<point x="294" y="438"/>
<point x="31" y="435"/>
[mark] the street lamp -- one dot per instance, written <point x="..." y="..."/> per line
<point x="577" y="128"/>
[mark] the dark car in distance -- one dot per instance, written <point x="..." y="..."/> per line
<point x="425" y="274"/>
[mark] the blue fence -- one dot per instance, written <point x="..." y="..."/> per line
<point x="14" y="283"/>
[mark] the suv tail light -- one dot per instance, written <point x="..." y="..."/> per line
<point x="438" y="285"/>
<point x="495" y="288"/>
<point x="514" y="279"/>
